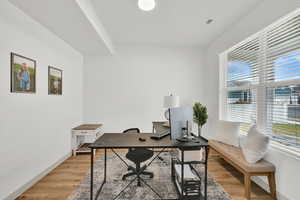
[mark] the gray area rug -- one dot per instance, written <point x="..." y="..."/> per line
<point x="161" y="182"/>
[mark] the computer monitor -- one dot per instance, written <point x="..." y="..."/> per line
<point x="180" y="117"/>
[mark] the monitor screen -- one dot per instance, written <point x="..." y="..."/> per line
<point x="179" y="118"/>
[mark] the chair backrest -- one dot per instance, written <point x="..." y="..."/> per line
<point x="132" y="130"/>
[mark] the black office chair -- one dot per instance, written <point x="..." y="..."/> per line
<point x="137" y="156"/>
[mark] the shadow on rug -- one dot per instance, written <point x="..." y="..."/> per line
<point x="161" y="182"/>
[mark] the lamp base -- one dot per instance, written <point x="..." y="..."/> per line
<point x="167" y="115"/>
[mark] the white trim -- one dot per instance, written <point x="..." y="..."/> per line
<point x="222" y="83"/>
<point x="253" y="87"/>
<point x="283" y="83"/>
<point x="289" y="151"/>
<point x="35" y="179"/>
<point x="261" y="107"/>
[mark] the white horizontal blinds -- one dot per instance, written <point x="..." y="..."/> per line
<point x="241" y="107"/>
<point x="242" y="75"/>
<point x="283" y="51"/>
<point x="242" y="64"/>
<point x="263" y="81"/>
<point x="282" y="67"/>
<point x="283" y="110"/>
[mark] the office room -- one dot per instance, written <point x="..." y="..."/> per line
<point x="149" y="99"/>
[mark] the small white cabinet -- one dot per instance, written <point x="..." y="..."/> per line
<point x="84" y="135"/>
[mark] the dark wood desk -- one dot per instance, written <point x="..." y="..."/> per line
<point x="124" y="141"/>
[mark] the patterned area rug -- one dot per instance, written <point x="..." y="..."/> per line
<point x="161" y="182"/>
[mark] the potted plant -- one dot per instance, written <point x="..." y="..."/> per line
<point x="200" y="116"/>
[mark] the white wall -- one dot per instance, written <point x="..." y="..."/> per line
<point x="35" y="128"/>
<point x="127" y="90"/>
<point x="264" y="14"/>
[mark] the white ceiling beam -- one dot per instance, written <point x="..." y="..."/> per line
<point x="88" y="10"/>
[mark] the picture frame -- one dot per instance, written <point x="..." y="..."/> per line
<point x="22" y="74"/>
<point x="55" y="78"/>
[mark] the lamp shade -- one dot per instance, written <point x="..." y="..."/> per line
<point x="171" y="101"/>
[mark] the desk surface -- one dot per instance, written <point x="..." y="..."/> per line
<point x="131" y="140"/>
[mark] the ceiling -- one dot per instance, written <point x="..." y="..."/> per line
<point x="72" y="21"/>
<point x="173" y="22"/>
<point x="97" y="26"/>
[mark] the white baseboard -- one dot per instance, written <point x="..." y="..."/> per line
<point x="263" y="184"/>
<point x="34" y="180"/>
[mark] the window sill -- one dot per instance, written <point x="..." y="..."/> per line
<point x="289" y="151"/>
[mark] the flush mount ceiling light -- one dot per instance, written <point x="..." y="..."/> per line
<point x="146" y="5"/>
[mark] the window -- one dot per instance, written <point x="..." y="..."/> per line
<point x="260" y="82"/>
<point x="242" y="66"/>
<point x="241" y="107"/>
<point x="241" y="75"/>
<point x="284" y="114"/>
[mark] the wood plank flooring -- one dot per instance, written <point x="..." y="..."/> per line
<point x="232" y="180"/>
<point x="62" y="181"/>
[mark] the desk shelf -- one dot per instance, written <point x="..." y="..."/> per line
<point x="191" y="186"/>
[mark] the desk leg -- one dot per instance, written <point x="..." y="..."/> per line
<point x="182" y="173"/>
<point x="205" y="176"/>
<point x="92" y="173"/>
<point x="105" y="158"/>
<point x="104" y="179"/>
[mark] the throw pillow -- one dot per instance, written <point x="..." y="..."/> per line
<point x="255" y="145"/>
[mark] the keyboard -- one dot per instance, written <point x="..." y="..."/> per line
<point x="159" y="136"/>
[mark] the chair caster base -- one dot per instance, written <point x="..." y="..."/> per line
<point x="150" y="174"/>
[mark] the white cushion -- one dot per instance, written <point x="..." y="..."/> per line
<point x="254" y="145"/>
<point x="228" y="132"/>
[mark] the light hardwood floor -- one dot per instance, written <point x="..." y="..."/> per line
<point x="62" y="181"/>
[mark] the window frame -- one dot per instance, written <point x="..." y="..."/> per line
<point x="260" y="87"/>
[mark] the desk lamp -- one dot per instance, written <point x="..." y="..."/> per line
<point x="170" y="102"/>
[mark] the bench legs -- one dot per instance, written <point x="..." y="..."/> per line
<point x="247" y="183"/>
<point x="272" y="184"/>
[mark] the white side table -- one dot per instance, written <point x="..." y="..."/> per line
<point x="84" y="135"/>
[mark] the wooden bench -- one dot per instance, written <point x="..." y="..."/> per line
<point x="234" y="156"/>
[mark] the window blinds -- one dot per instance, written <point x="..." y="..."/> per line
<point x="283" y="51"/>
<point x="242" y="74"/>
<point x="262" y="81"/>
<point x="282" y="67"/>
<point x="242" y="69"/>
<point x="241" y="105"/>
<point x="283" y="123"/>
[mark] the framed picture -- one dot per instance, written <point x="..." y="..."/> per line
<point x="23" y="74"/>
<point x="54" y="81"/>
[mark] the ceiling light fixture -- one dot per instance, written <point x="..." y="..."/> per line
<point x="146" y="5"/>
